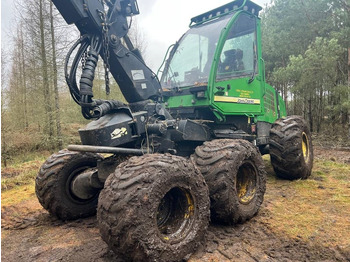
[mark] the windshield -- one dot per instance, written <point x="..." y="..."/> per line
<point x="191" y="62"/>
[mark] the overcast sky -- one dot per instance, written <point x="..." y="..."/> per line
<point x="162" y="21"/>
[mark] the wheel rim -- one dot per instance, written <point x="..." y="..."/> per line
<point x="175" y="214"/>
<point x="305" y="147"/>
<point x="246" y="182"/>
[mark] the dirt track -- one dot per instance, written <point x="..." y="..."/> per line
<point x="30" y="234"/>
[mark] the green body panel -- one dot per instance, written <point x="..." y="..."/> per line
<point x="236" y="98"/>
<point x="244" y="95"/>
<point x="187" y="101"/>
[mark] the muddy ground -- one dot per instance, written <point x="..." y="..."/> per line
<point x="29" y="233"/>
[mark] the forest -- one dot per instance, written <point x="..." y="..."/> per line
<point x="306" y="48"/>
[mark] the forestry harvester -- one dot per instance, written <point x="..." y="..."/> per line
<point x="185" y="148"/>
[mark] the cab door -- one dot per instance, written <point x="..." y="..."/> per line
<point x="235" y="87"/>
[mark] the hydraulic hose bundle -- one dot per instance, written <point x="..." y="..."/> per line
<point x="82" y="95"/>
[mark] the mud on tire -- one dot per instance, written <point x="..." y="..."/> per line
<point x="52" y="185"/>
<point x="291" y="148"/>
<point x="154" y="208"/>
<point x="235" y="174"/>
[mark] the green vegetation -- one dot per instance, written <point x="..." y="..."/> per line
<point x="306" y="47"/>
<point x="21" y="174"/>
<point x="18" y="194"/>
<point x="314" y="209"/>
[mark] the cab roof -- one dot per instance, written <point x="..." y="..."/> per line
<point x="229" y="8"/>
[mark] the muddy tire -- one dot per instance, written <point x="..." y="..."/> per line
<point x="291" y="148"/>
<point x="53" y="185"/>
<point x="154" y="208"/>
<point x="236" y="177"/>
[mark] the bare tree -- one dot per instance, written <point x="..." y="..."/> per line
<point x="4" y="124"/>
<point x="138" y="37"/>
<point x="23" y="76"/>
<point x="55" y="83"/>
<point x="46" y="85"/>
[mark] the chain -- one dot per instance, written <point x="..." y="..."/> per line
<point x="83" y="58"/>
<point x="105" y="41"/>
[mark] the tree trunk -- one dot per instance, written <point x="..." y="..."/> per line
<point x="285" y="96"/>
<point x="305" y="107"/>
<point x="320" y="111"/>
<point x="24" y="81"/>
<point x="19" y="86"/>
<point x="349" y="90"/>
<point x="55" y="84"/>
<point x="295" y="103"/>
<point x="4" y="125"/>
<point x="46" y="86"/>
<point x="309" y="112"/>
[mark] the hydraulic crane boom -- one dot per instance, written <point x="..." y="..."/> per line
<point x="104" y="28"/>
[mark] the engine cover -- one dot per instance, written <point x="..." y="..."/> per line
<point x="110" y="130"/>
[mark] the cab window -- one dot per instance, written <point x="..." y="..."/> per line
<point x="238" y="56"/>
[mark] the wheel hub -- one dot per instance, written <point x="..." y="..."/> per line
<point x="246" y="182"/>
<point x="305" y="147"/>
<point x="85" y="185"/>
<point x="175" y="214"/>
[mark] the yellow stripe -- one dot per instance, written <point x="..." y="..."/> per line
<point x="240" y="100"/>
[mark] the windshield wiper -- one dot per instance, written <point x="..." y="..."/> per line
<point x="254" y="72"/>
<point x="254" y="64"/>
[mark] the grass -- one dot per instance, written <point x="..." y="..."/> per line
<point x="20" y="148"/>
<point x="26" y="157"/>
<point x="316" y="209"/>
<point x="22" y="173"/>
<point x="17" y="194"/>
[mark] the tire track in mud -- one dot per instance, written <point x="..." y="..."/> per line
<point x="29" y="233"/>
<point x="255" y="241"/>
<point x="37" y="236"/>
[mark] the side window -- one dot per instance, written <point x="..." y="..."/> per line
<point x="238" y="56"/>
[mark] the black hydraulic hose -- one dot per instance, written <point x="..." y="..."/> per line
<point x="88" y="74"/>
<point x="165" y="57"/>
<point x="71" y="77"/>
<point x="73" y="72"/>
<point x="86" y="81"/>
<point x="83" y="94"/>
<point x="107" y="106"/>
<point x="79" y="41"/>
<point x="82" y="49"/>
